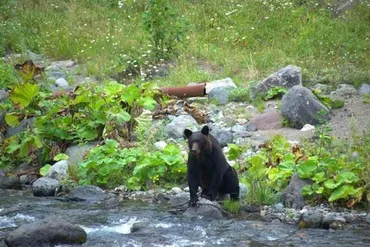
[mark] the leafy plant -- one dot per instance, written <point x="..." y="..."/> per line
<point x="275" y="92"/>
<point x="109" y="166"/>
<point x="165" y="26"/>
<point x="328" y="101"/>
<point x="7" y="76"/>
<point x="241" y="94"/>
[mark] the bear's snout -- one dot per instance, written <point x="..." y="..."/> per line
<point x="195" y="149"/>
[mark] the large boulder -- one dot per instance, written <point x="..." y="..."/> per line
<point x="344" y="91"/>
<point x="176" y="128"/>
<point x="223" y="136"/>
<point x="76" y="152"/>
<point x="287" y="77"/>
<point x="227" y="82"/>
<point x="300" y="106"/>
<point x="10" y="182"/>
<point x="268" y="120"/>
<point x="220" y="95"/>
<point x="292" y="195"/>
<point x="59" y="170"/>
<point x="205" y="208"/>
<point x="89" y="193"/>
<point x="45" y="186"/>
<point x="47" y="232"/>
<point x="364" y="89"/>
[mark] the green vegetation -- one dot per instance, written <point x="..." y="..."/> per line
<point x="109" y="166"/>
<point x="242" y="39"/>
<point x="337" y="176"/>
<point x="275" y="92"/>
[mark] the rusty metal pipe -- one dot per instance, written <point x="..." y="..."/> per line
<point x="198" y="90"/>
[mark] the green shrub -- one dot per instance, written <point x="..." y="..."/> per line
<point x="109" y="166"/>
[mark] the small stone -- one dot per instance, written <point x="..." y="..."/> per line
<point x="160" y="145"/>
<point x="176" y="190"/>
<point x="186" y="189"/>
<point x="251" y="127"/>
<point x="307" y="127"/>
<point x="220" y="95"/>
<point x="61" y="82"/>
<point x="364" y="89"/>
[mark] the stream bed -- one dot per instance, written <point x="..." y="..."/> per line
<point x="134" y="223"/>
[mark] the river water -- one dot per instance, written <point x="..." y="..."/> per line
<point x="157" y="227"/>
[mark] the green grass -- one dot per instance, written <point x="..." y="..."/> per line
<point x="245" y="40"/>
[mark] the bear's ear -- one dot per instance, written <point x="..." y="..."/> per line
<point x="187" y="133"/>
<point x="205" y="130"/>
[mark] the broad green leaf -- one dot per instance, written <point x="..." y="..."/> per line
<point x="113" y="88"/>
<point x="347" y="177"/>
<point x="131" y="94"/>
<point x="37" y="141"/>
<point x="45" y="169"/>
<point x="61" y="156"/>
<point x="12" y="119"/>
<point x="319" y="177"/>
<point x="287" y="166"/>
<point x="306" y="168"/>
<point x="307" y="190"/>
<point x="148" y="103"/>
<point x="331" y="184"/>
<point x="319" y="190"/>
<point x="118" y="115"/>
<point x="234" y="152"/>
<point x="23" y="94"/>
<point x="341" y="192"/>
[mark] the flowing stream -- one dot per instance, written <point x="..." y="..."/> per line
<point x="156" y="227"/>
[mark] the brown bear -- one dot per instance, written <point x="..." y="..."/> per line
<point x="208" y="168"/>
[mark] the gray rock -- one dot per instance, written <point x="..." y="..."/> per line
<point x="344" y="90"/>
<point x="35" y="57"/>
<point x="220" y="95"/>
<point x="160" y="145"/>
<point x="27" y="179"/>
<point x="3" y="95"/>
<point x="243" y="134"/>
<point x="59" y="170"/>
<point x="238" y="128"/>
<point x="89" y="193"/>
<point x="176" y="190"/>
<point x="10" y="182"/>
<point x="54" y="74"/>
<point x="61" y="82"/>
<point x="243" y="190"/>
<point x="48" y="232"/>
<point x="251" y="127"/>
<point x="364" y="89"/>
<point x="300" y="106"/>
<point x="292" y="195"/>
<point x="287" y="77"/>
<point x="268" y="120"/>
<point x="45" y="187"/>
<point x="11" y="131"/>
<point x="368" y="218"/>
<point x="176" y="128"/>
<point x="76" y="152"/>
<point x="322" y="88"/>
<point x="206" y="209"/>
<point x="227" y="82"/>
<point x="223" y="136"/>
<point x="311" y="219"/>
<point x="65" y="64"/>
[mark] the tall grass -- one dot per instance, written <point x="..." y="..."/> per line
<point x="245" y="40"/>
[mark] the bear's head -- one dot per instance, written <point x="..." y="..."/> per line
<point x="199" y="142"/>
